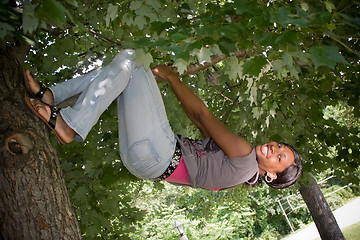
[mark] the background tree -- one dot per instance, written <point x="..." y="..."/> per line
<point x="279" y="64"/>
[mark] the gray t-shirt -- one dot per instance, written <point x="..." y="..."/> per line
<point x="209" y="167"/>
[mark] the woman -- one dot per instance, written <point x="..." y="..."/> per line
<point x="148" y="147"/>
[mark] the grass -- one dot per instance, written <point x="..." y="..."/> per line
<point x="351" y="232"/>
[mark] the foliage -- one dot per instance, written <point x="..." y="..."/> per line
<point x="237" y="213"/>
<point x="286" y="64"/>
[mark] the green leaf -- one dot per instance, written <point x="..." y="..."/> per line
<point x="215" y="49"/>
<point x="80" y="193"/>
<point x="285" y="17"/>
<point x="304" y="6"/>
<point x="112" y="13"/>
<point x="128" y="19"/>
<point x="118" y="33"/>
<point x="158" y="27"/>
<point x="281" y="17"/>
<point x="66" y="166"/>
<point x="160" y="42"/>
<point x="227" y="46"/>
<point x="326" y="56"/>
<point x="72" y="2"/>
<point x="135" y="5"/>
<point x="54" y="12"/>
<point x="142" y="58"/>
<point x="5" y="29"/>
<point x="92" y="231"/>
<point x="180" y="36"/>
<point x="257" y="112"/>
<point x="67" y="45"/>
<point x="329" y="6"/>
<point x="253" y="66"/>
<point x="288" y="61"/>
<point x="181" y="65"/>
<point x="204" y="55"/>
<point x="154" y="3"/>
<point x="246" y="7"/>
<point x="278" y="67"/>
<point x="143" y="42"/>
<point x="287" y="36"/>
<point x="140" y="21"/>
<point x="234" y="69"/>
<point x="30" y="22"/>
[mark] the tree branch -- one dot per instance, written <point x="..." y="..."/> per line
<point x="195" y="68"/>
<point x="192" y="69"/>
<point x="104" y="37"/>
<point x="227" y="115"/>
<point x="225" y="97"/>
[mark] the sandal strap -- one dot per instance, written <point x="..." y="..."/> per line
<point x="54" y="113"/>
<point x="42" y="91"/>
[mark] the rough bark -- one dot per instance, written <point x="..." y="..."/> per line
<point x="320" y="211"/>
<point x="34" y="203"/>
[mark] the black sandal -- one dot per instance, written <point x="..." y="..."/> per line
<point x="51" y="123"/>
<point x="41" y="91"/>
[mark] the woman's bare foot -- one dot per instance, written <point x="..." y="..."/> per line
<point x="34" y="87"/>
<point x="64" y="132"/>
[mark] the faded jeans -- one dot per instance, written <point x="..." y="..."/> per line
<point x="146" y="140"/>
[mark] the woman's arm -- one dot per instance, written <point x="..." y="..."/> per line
<point x="199" y="114"/>
<point x="202" y="130"/>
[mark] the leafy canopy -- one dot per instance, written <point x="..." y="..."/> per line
<point x="283" y="64"/>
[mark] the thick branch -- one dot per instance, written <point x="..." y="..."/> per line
<point x="195" y="68"/>
<point x="192" y="69"/>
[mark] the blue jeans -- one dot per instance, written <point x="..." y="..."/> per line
<point x="146" y="140"/>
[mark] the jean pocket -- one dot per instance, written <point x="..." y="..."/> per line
<point x="143" y="156"/>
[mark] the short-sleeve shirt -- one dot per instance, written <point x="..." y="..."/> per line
<point x="209" y="167"/>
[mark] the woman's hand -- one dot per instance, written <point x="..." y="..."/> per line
<point x="164" y="72"/>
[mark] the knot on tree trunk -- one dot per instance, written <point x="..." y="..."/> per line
<point x="18" y="144"/>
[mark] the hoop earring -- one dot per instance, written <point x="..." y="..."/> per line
<point x="267" y="179"/>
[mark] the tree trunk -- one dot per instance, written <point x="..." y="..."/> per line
<point x="320" y="211"/>
<point x="34" y="203"/>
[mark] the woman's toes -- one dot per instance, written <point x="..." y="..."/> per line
<point x="34" y="86"/>
<point x="41" y="108"/>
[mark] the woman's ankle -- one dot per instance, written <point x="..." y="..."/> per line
<point x="48" y="97"/>
<point x="66" y="133"/>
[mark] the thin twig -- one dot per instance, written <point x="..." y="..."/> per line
<point x="104" y="37"/>
<point x="226" y="117"/>
<point x="224" y="96"/>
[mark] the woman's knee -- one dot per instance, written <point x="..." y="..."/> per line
<point x="124" y="55"/>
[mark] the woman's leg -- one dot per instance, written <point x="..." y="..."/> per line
<point x="69" y="88"/>
<point x="64" y="90"/>
<point x="99" y="89"/>
<point x="147" y="142"/>
<point x="72" y="87"/>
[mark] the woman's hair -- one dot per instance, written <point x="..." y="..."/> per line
<point x="290" y="175"/>
<point x="285" y="178"/>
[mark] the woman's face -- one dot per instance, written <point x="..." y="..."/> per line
<point x="274" y="157"/>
